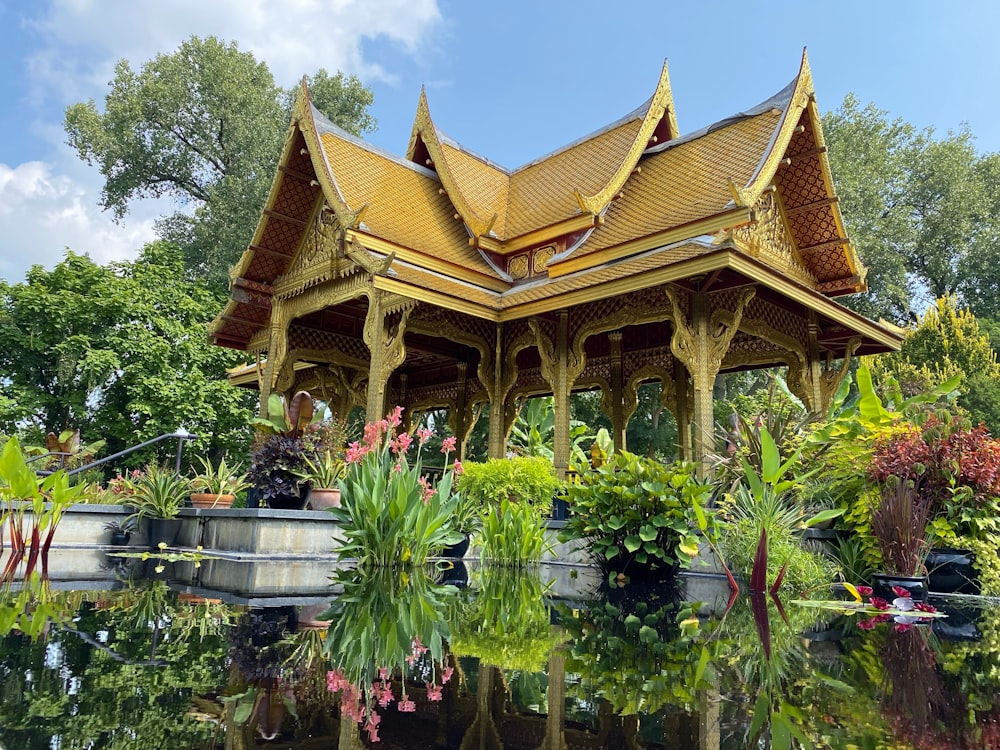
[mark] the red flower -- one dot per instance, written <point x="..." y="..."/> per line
<point x="924" y="607"/>
<point x="406" y="706"/>
<point x="867" y="624"/>
<point x="864" y="590"/>
<point x="878" y="602"/>
<point x="900" y="591"/>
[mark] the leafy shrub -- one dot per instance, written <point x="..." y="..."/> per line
<point x="521" y="478"/>
<point x="639" y="517"/>
<point x="389" y="513"/>
<point x="512" y="535"/>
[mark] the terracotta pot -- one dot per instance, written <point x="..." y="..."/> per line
<point x="211" y="500"/>
<point x="321" y="498"/>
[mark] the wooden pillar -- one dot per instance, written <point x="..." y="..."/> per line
<point x="702" y="380"/>
<point x="682" y="412"/>
<point x="619" y="422"/>
<point x="700" y="341"/>
<point x="387" y="350"/>
<point x="560" y="392"/>
<point x="496" y="447"/>
<point x="555" y="737"/>
<point x="814" y="365"/>
<point x="457" y="415"/>
<point x="561" y="364"/>
<point x="709" y="717"/>
<point x="277" y="351"/>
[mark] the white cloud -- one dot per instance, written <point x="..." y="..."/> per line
<point x="50" y="201"/>
<point x="84" y="38"/>
<point x="42" y="213"/>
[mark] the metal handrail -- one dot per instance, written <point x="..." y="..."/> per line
<point x="180" y="435"/>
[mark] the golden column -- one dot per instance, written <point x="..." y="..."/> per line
<point x="700" y="342"/>
<point x="385" y="344"/>
<point x="619" y="420"/>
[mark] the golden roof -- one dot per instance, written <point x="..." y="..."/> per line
<point x="617" y="202"/>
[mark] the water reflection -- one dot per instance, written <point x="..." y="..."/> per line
<point x="410" y="660"/>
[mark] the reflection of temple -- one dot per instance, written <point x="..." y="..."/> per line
<point x="486" y="718"/>
<point x="441" y="280"/>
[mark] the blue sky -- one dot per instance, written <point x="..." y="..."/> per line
<point x="511" y="80"/>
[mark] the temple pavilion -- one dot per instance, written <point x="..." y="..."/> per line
<point x="440" y="279"/>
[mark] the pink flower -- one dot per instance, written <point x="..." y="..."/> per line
<point x="902" y="627"/>
<point x="383" y="673"/>
<point x="335" y="681"/>
<point x="423" y="434"/>
<point x="457" y="468"/>
<point x="402" y="442"/>
<point x="864" y="590"/>
<point x="373" y="735"/>
<point x="354" y="453"/>
<point x="406" y="706"/>
<point x="900" y="591"/>
<point x="395" y="417"/>
<point x="924" y="607"/>
<point x="448" y="444"/>
<point x="433" y="692"/>
<point x="428" y="490"/>
<point x="446" y="674"/>
<point x="867" y="624"/>
<point x="878" y="602"/>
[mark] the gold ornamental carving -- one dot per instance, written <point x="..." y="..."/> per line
<point x="517" y="268"/>
<point x="686" y="346"/>
<point x="767" y="237"/>
<point x="540" y="257"/>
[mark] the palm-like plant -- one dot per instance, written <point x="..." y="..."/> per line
<point x="158" y="492"/>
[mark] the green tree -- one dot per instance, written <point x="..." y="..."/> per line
<point x="204" y="126"/>
<point x="920" y="209"/>
<point x="948" y="341"/>
<point x="119" y="351"/>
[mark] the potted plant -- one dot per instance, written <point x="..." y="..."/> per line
<point x="900" y="514"/>
<point x="467" y="521"/>
<point x="323" y="474"/>
<point x="121" y="531"/>
<point x="281" y="450"/>
<point x="158" y="493"/>
<point x="216" y="485"/>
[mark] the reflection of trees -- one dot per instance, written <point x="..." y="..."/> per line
<point x="113" y="697"/>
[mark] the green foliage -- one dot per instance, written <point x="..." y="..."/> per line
<point x="158" y="492"/>
<point x="638" y="655"/>
<point x="526" y="479"/>
<point x="389" y="514"/>
<point x="639" y="517"/>
<point x="533" y="433"/>
<point x="765" y="502"/>
<point x="382" y="619"/>
<point x="219" y="478"/>
<point x="203" y="125"/>
<point x="948" y="342"/>
<point x="324" y="472"/>
<point x="512" y="535"/>
<point x="120" y="352"/>
<point x="921" y="209"/>
<point x="504" y="621"/>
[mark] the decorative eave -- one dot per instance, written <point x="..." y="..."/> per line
<point x="802" y="93"/>
<point x="303" y="116"/>
<point x="425" y="131"/>
<point x="660" y="105"/>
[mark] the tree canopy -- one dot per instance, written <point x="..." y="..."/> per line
<point x="119" y="351"/>
<point x="204" y="126"/>
<point x="921" y="209"/>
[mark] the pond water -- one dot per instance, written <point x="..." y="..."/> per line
<point x="492" y="662"/>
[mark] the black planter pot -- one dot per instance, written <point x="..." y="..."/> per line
<point x="163" y="530"/>
<point x="120" y="538"/>
<point x="286" y="502"/>
<point x="882" y="584"/>
<point x="950" y="571"/>
<point x="457" y="575"/>
<point x="457" y="551"/>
